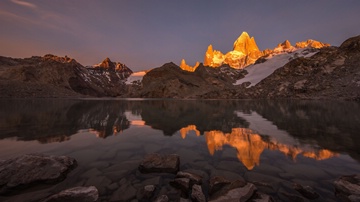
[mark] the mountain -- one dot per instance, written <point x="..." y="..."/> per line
<point x="53" y="76"/>
<point x="114" y="71"/>
<point x="333" y="72"/>
<point x="170" y="81"/>
<point x="287" y="71"/>
<point x="187" y="67"/>
<point x="245" y="52"/>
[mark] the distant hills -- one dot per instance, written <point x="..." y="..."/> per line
<point x="307" y="70"/>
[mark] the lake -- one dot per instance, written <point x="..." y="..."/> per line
<point x="273" y="144"/>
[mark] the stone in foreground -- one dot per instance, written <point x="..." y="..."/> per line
<point x="348" y="188"/>
<point x="30" y="169"/>
<point x="197" y="194"/>
<point x="84" y="194"/>
<point x="157" y="163"/>
<point x="237" y="194"/>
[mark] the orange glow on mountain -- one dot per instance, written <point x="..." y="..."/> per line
<point x="250" y="145"/>
<point x="188" y="68"/>
<point x="245" y="52"/>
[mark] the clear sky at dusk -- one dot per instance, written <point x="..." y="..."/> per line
<point x="145" y="34"/>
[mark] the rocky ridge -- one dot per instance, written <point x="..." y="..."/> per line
<point x="53" y="76"/>
<point x="170" y="81"/>
<point x="246" y="52"/>
<point x="328" y="73"/>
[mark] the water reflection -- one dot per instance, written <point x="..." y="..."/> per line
<point x="314" y="129"/>
<point x="250" y="145"/>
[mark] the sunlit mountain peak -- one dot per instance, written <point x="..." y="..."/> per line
<point x="245" y="44"/>
<point x="187" y="67"/>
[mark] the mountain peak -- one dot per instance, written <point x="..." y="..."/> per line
<point x="245" y="44"/>
<point x="310" y="43"/>
<point x="106" y="64"/>
<point x="187" y="67"/>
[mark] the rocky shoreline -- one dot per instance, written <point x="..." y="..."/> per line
<point x="21" y="175"/>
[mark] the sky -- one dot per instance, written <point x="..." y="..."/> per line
<point x="145" y="34"/>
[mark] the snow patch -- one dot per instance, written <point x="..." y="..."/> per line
<point x="136" y="76"/>
<point x="258" y="72"/>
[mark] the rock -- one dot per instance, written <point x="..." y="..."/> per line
<point x="32" y="169"/>
<point x="197" y="194"/>
<point x="181" y="183"/>
<point x="162" y="198"/>
<point x="160" y="163"/>
<point x="348" y="187"/>
<point x="194" y="178"/>
<point x="83" y="194"/>
<point x="216" y="183"/>
<point x="306" y="191"/>
<point x="239" y="194"/>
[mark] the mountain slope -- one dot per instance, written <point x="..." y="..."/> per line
<point x="170" y="81"/>
<point x="52" y="76"/>
<point x="332" y="73"/>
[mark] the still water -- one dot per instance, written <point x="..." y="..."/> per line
<point x="270" y="143"/>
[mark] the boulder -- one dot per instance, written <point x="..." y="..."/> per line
<point x="348" y="187"/>
<point x="157" y="163"/>
<point x="30" y="169"/>
<point x="197" y="194"/>
<point x="84" y="194"/>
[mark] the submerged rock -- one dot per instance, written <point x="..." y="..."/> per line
<point x="84" y="194"/>
<point x="348" y="188"/>
<point x="29" y="169"/>
<point x="306" y="191"/>
<point x="239" y="194"/>
<point x="160" y="163"/>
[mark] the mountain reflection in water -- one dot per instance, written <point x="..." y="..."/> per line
<point x="313" y="129"/>
<point x="250" y="145"/>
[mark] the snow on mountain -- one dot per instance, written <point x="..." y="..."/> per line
<point x="135" y="77"/>
<point x="258" y="72"/>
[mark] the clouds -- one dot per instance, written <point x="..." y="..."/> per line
<point x="24" y="3"/>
